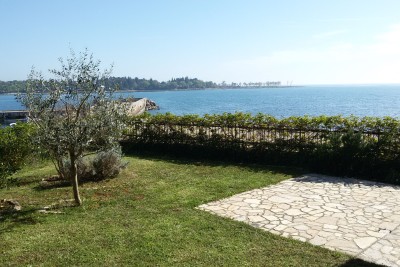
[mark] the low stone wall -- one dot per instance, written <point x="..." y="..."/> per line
<point x="137" y="106"/>
<point x="12" y="115"/>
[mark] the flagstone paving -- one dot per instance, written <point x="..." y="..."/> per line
<point x="358" y="217"/>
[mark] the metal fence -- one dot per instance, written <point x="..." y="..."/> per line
<point x="247" y="135"/>
<point x="372" y="153"/>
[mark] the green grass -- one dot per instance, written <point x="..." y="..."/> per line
<point x="147" y="217"/>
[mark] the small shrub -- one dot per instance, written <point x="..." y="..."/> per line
<point x="107" y="164"/>
<point x="84" y="168"/>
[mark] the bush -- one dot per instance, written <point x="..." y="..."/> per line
<point x="84" y="169"/>
<point x="104" y="165"/>
<point x="15" y="146"/>
<point x="107" y="164"/>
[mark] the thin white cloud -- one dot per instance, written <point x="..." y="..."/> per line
<point x="296" y="23"/>
<point x="388" y="42"/>
<point x="376" y="62"/>
<point x="329" y="34"/>
<point x="340" y="19"/>
<point x="351" y="19"/>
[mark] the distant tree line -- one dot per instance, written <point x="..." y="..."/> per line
<point x="250" y="84"/>
<point x="128" y="83"/>
<point x="12" y="86"/>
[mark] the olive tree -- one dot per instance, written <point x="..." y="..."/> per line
<point x="74" y="112"/>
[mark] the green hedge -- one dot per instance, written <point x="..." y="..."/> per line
<point x="366" y="147"/>
<point x="15" y="146"/>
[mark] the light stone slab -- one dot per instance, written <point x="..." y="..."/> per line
<point x="357" y="217"/>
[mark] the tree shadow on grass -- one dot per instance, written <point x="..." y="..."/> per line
<point x="359" y="263"/>
<point x="11" y="219"/>
<point x="26" y="181"/>
<point x="60" y="183"/>
<point x="201" y="161"/>
<point x="51" y="185"/>
<point x="345" y="181"/>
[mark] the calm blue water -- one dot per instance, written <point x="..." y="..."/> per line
<point x="374" y="100"/>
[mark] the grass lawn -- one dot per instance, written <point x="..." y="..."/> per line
<point x="147" y="217"/>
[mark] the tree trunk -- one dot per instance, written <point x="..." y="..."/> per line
<point x="74" y="180"/>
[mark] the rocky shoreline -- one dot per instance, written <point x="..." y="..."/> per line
<point x="151" y="105"/>
<point x="134" y="106"/>
<point x="137" y="106"/>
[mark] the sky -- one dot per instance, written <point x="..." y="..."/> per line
<point x="292" y="41"/>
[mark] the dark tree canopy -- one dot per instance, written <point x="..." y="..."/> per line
<point x="12" y="86"/>
<point x="127" y="83"/>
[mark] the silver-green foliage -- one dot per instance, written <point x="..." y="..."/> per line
<point x="74" y="112"/>
<point x="107" y="164"/>
<point x="104" y="165"/>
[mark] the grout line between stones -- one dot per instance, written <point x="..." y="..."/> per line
<point x="378" y="239"/>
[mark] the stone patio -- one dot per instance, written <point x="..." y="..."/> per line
<point x="357" y="217"/>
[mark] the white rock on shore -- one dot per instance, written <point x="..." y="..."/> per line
<point x="138" y="107"/>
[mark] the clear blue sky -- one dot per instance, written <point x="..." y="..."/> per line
<point x="307" y="41"/>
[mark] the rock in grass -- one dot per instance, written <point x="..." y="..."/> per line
<point x="10" y="205"/>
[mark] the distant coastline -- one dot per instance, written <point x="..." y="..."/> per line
<point x="142" y="85"/>
<point x="213" y="88"/>
<point x="188" y="89"/>
<point x="243" y="87"/>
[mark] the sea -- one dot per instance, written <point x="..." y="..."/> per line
<point x="358" y="100"/>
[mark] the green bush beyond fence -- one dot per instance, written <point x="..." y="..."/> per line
<point x="364" y="147"/>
